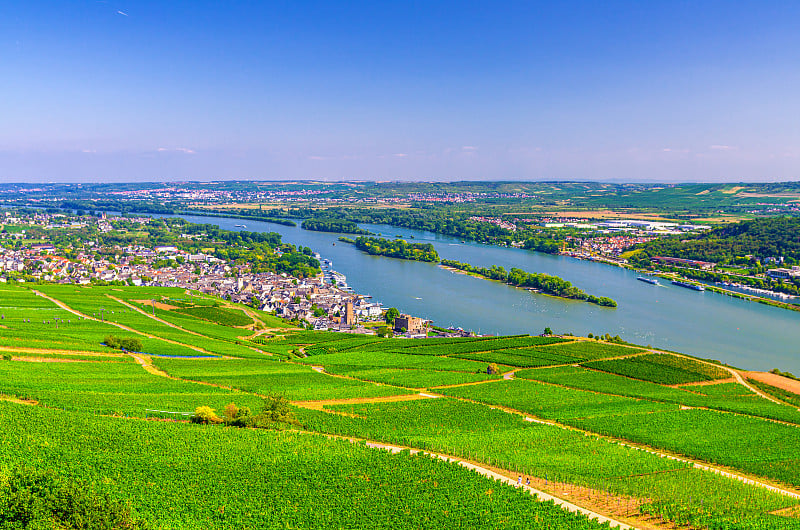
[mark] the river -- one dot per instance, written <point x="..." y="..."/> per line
<point x="744" y="334"/>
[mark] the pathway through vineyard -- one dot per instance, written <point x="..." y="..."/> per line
<point x="624" y="510"/>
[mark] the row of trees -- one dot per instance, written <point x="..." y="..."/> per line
<point x="332" y="225"/>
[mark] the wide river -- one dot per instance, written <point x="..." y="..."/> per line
<point x="744" y="334"/>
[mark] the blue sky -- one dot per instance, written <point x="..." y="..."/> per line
<point x="629" y="91"/>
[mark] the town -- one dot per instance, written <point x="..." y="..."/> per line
<point x="321" y="302"/>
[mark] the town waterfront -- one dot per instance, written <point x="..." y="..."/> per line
<point x="744" y="334"/>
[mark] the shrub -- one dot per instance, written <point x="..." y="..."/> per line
<point x="205" y="415"/>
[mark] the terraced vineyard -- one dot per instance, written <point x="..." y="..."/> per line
<point x="592" y="396"/>
<point x="661" y="368"/>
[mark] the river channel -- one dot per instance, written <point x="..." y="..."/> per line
<point x="744" y="334"/>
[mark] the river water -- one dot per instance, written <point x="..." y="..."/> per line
<point x="744" y="334"/>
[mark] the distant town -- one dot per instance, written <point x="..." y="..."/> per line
<point x="321" y="302"/>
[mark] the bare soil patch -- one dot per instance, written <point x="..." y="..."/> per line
<point x="784" y="383"/>
<point x="160" y="305"/>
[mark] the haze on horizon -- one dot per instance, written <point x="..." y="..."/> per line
<point x="671" y="91"/>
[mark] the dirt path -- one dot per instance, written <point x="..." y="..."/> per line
<point x="705" y="383"/>
<point x="540" y="495"/>
<point x="153" y="317"/>
<point x="319" y="405"/>
<point x="45" y="351"/>
<point x="56" y="360"/>
<point x="20" y="401"/>
<point x="645" y="448"/>
<point x="65" y="307"/>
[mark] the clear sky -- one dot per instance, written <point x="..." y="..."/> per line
<point x="206" y="90"/>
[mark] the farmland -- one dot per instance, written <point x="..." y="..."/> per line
<point x="560" y="411"/>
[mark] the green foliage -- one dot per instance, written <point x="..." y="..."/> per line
<point x="397" y="249"/>
<point x="191" y="476"/>
<point x="219" y="315"/>
<point x="753" y="445"/>
<point x="205" y="415"/>
<point x="390" y="314"/>
<point x="332" y="225"/>
<point x="552" y="402"/>
<point x="123" y="343"/>
<point x="784" y="395"/>
<point x="661" y="368"/>
<point x="42" y="500"/>
<point x="762" y="238"/>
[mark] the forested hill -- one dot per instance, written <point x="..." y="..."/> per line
<point x="761" y="238"/>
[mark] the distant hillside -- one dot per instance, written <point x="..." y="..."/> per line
<point x="778" y="236"/>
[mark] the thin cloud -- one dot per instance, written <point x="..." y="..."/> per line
<point x="123" y="13"/>
<point x="88" y="150"/>
<point x="469" y="148"/>
<point x="722" y="147"/>
<point x="401" y="155"/>
<point x="184" y="150"/>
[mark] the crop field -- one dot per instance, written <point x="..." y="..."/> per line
<point x="522" y="357"/>
<point x="410" y="377"/>
<point x="584" y="350"/>
<point x="661" y="368"/>
<point x="110" y="388"/>
<point x="265" y="377"/>
<point x="500" y="343"/>
<point x="219" y="315"/>
<point x="552" y="402"/>
<point x="730" y="397"/>
<point x="231" y="482"/>
<point x="396" y="360"/>
<point x="754" y="445"/>
<point x="468" y="430"/>
<point x="784" y="395"/>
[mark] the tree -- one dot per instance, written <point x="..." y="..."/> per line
<point x="548" y="331"/>
<point x="492" y="369"/>
<point x="390" y="315"/>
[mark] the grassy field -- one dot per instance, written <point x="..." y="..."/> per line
<point x="362" y="387"/>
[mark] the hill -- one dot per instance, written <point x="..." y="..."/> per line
<point x="561" y="413"/>
<point x="761" y="238"/>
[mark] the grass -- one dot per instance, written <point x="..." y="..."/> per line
<point x="662" y="368"/>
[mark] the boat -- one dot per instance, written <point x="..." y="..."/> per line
<point x="240" y="226"/>
<point x="645" y="279"/>
<point x="688" y="285"/>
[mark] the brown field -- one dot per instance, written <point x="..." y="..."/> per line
<point x="784" y="383"/>
<point x="733" y="190"/>
<point x="160" y="305"/>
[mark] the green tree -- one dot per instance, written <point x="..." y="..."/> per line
<point x="390" y="315"/>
